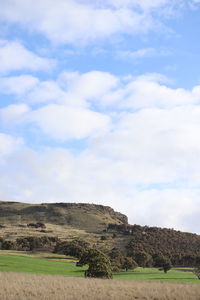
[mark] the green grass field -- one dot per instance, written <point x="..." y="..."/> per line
<point x="152" y="274"/>
<point x="59" y="265"/>
<point x="23" y="264"/>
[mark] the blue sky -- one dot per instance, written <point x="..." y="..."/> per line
<point x="100" y="103"/>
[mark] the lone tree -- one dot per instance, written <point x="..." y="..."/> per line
<point x="163" y="263"/>
<point x="99" y="264"/>
<point x="196" y="271"/>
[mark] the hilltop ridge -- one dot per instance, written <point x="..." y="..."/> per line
<point x="90" y="217"/>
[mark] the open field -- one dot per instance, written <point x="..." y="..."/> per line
<point x="50" y="265"/>
<point x="45" y="287"/>
<point x="55" y="264"/>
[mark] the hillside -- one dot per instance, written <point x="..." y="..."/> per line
<point x="89" y="217"/>
<point x="97" y="225"/>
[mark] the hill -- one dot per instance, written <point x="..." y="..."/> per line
<point x="97" y="225"/>
<point x="89" y="217"/>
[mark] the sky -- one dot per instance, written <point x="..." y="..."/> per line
<point x="100" y="103"/>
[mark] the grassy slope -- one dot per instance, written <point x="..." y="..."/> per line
<point x="90" y="217"/>
<point x="51" y="265"/>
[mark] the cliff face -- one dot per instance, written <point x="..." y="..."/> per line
<point x="90" y="217"/>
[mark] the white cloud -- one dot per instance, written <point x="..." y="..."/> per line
<point x="13" y="114"/>
<point x="90" y="85"/>
<point x="71" y="88"/>
<point x="63" y="122"/>
<point x="9" y="144"/>
<point x="18" y="85"/>
<point x="145" y="5"/>
<point x="145" y="52"/>
<point x="167" y="208"/>
<point x="148" y="91"/>
<point x="154" y="146"/>
<point x="80" y="22"/>
<point x="141" y="53"/>
<point x="14" y="56"/>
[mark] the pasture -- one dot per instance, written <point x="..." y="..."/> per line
<point x="54" y="264"/>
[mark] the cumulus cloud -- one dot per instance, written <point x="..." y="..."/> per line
<point x="14" y="56"/>
<point x="90" y="85"/>
<point x="71" y="88"/>
<point x="9" y="144"/>
<point x="149" y="91"/>
<point x="171" y="208"/>
<point x="18" y="85"/>
<point x="82" y="21"/>
<point x="13" y="114"/>
<point x="63" y="122"/>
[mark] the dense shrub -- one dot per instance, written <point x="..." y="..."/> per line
<point x="8" y="245"/>
<point x="31" y="243"/>
<point x="36" y="225"/>
<point x="74" y="248"/>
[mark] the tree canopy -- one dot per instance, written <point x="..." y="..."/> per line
<point x="99" y="264"/>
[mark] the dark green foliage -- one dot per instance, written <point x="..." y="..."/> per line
<point x="115" y="253"/>
<point x="182" y="248"/>
<point x="116" y="257"/>
<point x="166" y="267"/>
<point x="104" y="238"/>
<point x="74" y="248"/>
<point x="31" y="243"/>
<point x="119" y="261"/>
<point x="129" y="264"/>
<point x="36" y="225"/>
<point x="163" y="263"/>
<point x="8" y="245"/>
<point x="99" y="264"/>
<point x="142" y="258"/>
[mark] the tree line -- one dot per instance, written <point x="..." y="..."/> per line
<point x="182" y="248"/>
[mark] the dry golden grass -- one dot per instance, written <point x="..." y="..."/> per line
<point x="14" y="286"/>
<point x="12" y="232"/>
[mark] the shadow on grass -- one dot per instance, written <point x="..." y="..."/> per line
<point x="79" y="271"/>
<point x="3" y="265"/>
<point x="183" y="270"/>
<point x="55" y="257"/>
